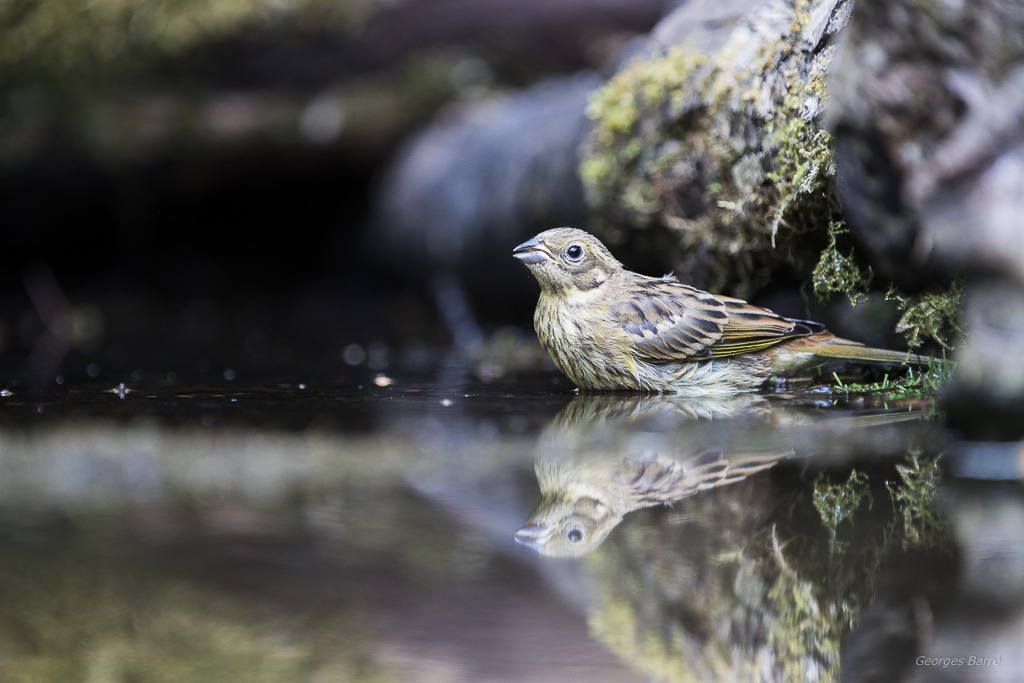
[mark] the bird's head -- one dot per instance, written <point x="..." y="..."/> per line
<point x="568" y="527"/>
<point x="567" y="259"/>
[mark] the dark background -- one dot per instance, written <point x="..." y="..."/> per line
<point x="163" y="207"/>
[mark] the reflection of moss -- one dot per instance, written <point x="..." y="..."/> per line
<point x="78" y="607"/>
<point x="918" y="522"/>
<point x="710" y="591"/>
<point x="837" y="503"/>
<point x="805" y="627"/>
<point x="617" y="626"/>
<point x="821" y="590"/>
<point x="932" y="315"/>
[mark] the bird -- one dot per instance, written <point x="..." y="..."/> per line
<point x="611" y="329"/>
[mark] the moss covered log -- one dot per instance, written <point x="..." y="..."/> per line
<point x="722" y="154"/>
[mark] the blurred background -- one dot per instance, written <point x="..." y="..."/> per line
<point x="191" y="186"/>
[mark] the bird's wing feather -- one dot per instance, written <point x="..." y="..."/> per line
<point x="667" y="320"/>
<point x="752" y="328"/>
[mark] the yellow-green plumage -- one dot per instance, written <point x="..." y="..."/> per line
<point x="608" y="328"/>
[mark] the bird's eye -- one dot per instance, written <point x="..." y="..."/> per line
<point x="574" y="535"/>
<point x="574" y="253"/>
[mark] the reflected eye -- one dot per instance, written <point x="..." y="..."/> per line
<point x="574" y="535"/>
<point x="574" y="253"/>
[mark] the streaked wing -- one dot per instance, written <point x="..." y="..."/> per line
<point x="752" y="328"/>
<point x="667" y="320"/>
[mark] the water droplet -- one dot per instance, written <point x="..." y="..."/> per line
<point x="207" y="419"/>
<point x="229" y="375"/>
<point x="60" y="379"/>
<point x="446" y="402"/>
<point x="302" y="386"/>
<point x="120" y="390"/>
<point x="92" y="369"/>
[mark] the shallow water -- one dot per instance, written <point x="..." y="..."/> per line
<point x="409" y="526"/>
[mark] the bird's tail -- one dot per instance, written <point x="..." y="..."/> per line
<point x="843" y="349"/>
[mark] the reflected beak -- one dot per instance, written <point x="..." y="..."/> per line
<point x="533" y="536"/>
<point x="532" y="252"/>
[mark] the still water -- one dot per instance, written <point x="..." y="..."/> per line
<point x="415" y="528"/>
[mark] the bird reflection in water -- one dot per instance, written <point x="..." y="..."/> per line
<point x="605" y="456"/>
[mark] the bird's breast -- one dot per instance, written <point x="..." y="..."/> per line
<point x="583" y="342"/>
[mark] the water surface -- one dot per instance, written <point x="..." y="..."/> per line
<point x="422" y="526"/>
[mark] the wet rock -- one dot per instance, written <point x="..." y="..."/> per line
<point x="704" y="150"/>
<point x="928" y="115"/>
<point x="481" y="177"/>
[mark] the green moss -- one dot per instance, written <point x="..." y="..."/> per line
<point x="837" y="272"/>
<point x="923" y="383"/>
<point x="727" y="158"/>
<point x="804" y="173"/>
<point x="67" y="41"/>
<point x="618" y="108"/>
<point x="932" y="315"/>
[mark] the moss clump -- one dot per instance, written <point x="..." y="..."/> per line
<point x="922" y="383"/>
<point x="932" y="315"/>
<point x="804" y="173"/>
<point x="618" y="108"/>
<point x="837" y="272"/>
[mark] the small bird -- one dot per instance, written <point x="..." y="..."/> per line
<point x="608" y="328"/>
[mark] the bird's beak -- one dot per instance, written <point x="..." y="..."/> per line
<point x="534" y="536"/>
<point x="532" y="252"/>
